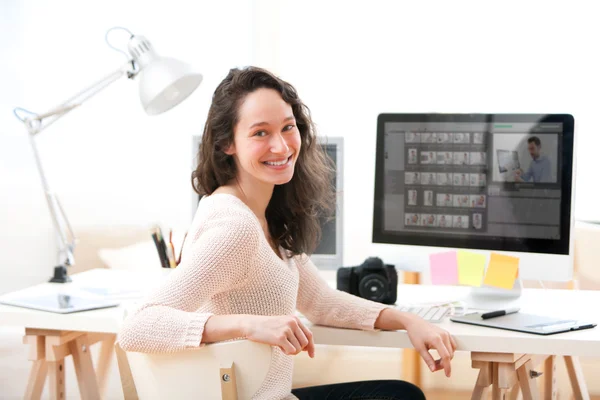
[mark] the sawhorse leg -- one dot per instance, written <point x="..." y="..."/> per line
<point x="576" y="377"/>
<point x="506" y="371"/>
<point x="48" y="349"/>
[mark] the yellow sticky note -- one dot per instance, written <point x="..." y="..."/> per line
<point x="471" y="267"/>
<point x="502" y="271"/>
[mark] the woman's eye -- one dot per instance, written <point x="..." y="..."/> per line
<point x="290" y="127"/>
<point x="260" y="133"/>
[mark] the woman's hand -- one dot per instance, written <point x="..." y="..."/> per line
<point x="426" y="336"/>
<point x="286" y="332"/>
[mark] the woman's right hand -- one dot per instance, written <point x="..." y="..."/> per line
<point x="286" y="332"/>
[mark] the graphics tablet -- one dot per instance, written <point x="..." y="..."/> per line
<point x="527" y="323"/>
<point x="59" y="303"/>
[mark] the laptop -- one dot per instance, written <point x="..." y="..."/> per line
<point x="527" y="323"/>
<point x="508" y="160"/>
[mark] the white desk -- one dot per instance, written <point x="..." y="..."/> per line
<point x="570" y="304"/>
<point x="52" y="337"/>
<point x="502" y="356"/>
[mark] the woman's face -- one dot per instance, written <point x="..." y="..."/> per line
<point x="266" y="140"/>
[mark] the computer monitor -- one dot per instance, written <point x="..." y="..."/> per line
<point x="485" y="182"/>
<point x="329" y="251"/>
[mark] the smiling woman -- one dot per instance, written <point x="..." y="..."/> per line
<point x="259" y="135"/>
<point x="244" y="270"/>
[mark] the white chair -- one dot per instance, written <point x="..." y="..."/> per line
<point x="232" y="370"/>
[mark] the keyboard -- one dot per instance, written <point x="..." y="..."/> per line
<point x="428" y="313"/>
<point x="435" y="312"/>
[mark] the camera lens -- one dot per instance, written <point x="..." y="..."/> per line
<point x="373" y="287"/>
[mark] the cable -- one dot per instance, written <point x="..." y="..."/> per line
<point x="116" y="48"/>
<point x="134" y="69"/>
<point x="18" y="110"/>
<point x="541" y="284"/>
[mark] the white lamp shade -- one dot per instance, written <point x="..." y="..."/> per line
<point x="166" y="82"/>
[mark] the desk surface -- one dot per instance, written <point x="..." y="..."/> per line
<point x="557" y="303"/>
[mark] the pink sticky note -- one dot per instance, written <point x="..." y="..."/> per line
<point x="444" y="268"/>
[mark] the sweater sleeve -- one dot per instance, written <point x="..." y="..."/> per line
<point x="216" y="261"/>
<point x="323" y="305"/>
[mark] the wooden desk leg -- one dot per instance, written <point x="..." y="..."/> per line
<point x="527" y="383"/>
<point x="104" y="362"/>
<point x="411" y="366"/>
<point x="48" y="349"/>
<point x="498" y="393"/>
<point x="580" y="390"/>
<point x="39" y="369"/>
<point x="550" y="388"/>
<point x="505" y="377"/>
<point x="129" y="389"/>
<point x="56" y="375"/>
<point x="84" y="368"/>
<point x="411" y="359"/>
<point x="484" y="380"/>
<point x="37" y="378"/>
<point x="515" y="392"/>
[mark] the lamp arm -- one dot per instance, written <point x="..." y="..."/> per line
<point x="38" y="122"/>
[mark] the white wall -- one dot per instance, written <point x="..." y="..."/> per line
<point x="111" y="164"/>
<point x="351" y="61"/>
<point x="108" y="161"/>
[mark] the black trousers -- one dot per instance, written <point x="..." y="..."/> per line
<point x="364" y="390"/>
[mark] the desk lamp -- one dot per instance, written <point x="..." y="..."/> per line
<point x="164" y="83"/>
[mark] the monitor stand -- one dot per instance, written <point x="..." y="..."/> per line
<point x="492" y="298"/>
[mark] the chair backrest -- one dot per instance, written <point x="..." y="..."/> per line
<point x="225" y="370"/>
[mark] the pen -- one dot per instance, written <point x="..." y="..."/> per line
<point x="171" y="255"/>
<point x="171" y="250"/>
<point x="163" y="246"/>
<point x="181" y="249"/>
<point x="160" y="247"/>
<point x="499" y="313"/>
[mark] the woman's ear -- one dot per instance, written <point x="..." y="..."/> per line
<point x="229" y="150"/>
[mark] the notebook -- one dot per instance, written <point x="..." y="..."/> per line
<point x="527" y="323"/>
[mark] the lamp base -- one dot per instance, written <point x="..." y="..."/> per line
<point x="60" y="275"/>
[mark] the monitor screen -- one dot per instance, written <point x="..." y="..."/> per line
<point x="327" y="244"/>
<point x="478" y="181"/>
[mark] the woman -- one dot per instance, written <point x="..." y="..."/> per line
<point x="244" y="269"/>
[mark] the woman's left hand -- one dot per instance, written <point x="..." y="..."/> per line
<point x="426" y="336"/>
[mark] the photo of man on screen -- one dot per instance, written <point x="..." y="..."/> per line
<point x="540" y="168"/>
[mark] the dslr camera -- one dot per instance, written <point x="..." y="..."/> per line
<point x="372" y="280"/>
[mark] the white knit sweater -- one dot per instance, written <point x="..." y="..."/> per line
<point x="228" y="267"/>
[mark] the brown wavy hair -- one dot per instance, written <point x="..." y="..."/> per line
<point x="296" y="209"/>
